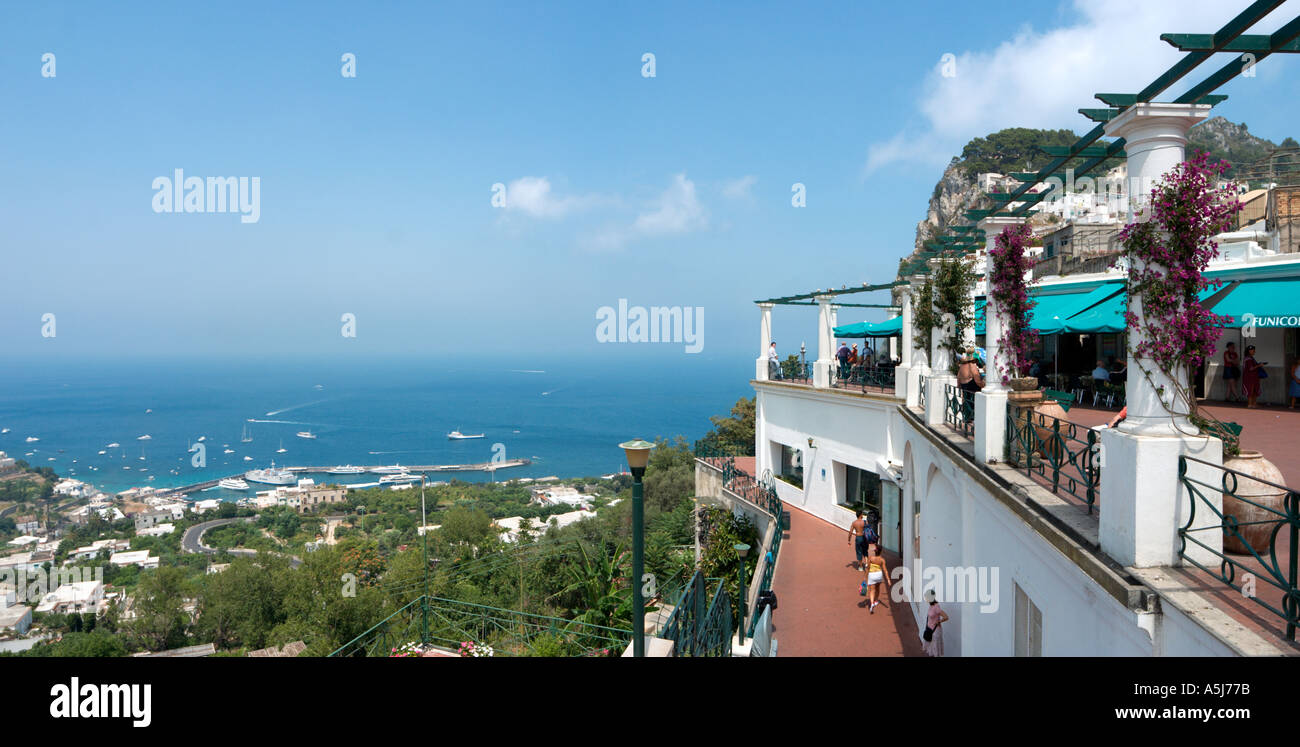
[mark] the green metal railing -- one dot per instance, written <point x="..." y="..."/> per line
<point x="447" y="623"/>
<point x="1061" y="454"/>
<point x="699" y="626"/>
<point x="760" y="494"/>
<point x="959" y="410"/>
<point x="1277" y="572"/>
<point x="796" y="370"/>
<point x="866" y="377"/>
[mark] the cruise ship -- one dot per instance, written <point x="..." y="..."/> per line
<point x="393" y="470"/>
<point x="458" y="436"/>
<point x="270" y="476"/>
<point x="233" y="483"/>
<point x="346" y="470"/>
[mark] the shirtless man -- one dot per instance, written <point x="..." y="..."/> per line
<point x="856" y="530"/>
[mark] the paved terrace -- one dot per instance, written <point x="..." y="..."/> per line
<point x="819" y="611"/>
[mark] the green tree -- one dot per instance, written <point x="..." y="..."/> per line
<point x="735" y="431"/>
<point x="160" y="620"/>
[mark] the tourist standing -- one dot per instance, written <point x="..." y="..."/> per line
<point x="935" y="617"/>
<point x="861" y="531"/>
<point x="877" y="572"/>
<point x="1251" y="374"/>
<point x="843" y="355"/>
<point x="773" y="363"/>
<point x="1231" y="372"/>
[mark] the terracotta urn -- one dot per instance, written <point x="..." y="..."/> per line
<point x="1252" y="464"/>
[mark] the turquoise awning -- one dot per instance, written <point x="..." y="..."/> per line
<point x="887" y="328"/>
<point x="1269" y="303"/>
<point x="1054" y="309"/>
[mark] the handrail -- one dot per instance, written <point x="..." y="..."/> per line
<point x="1053" y="449"/>
<point x="1280" y="573"/>
<point x="959" y="410"/>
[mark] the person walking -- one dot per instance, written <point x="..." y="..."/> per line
<point x="1293" y="386"/>
<point x="935" y="617"/>
<point x="877" y="572"/>
<point x="1231" y="372"/>
<point x="864" y="534"/>
<point x="1251" y="374"/>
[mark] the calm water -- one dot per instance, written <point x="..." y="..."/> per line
<point x="566" y="415"/>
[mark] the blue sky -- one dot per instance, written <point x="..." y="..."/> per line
<point x="376" y="190"/>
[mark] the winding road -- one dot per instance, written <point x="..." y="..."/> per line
<point x="192" y="540"/>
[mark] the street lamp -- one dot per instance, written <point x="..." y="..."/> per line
<point x="742" y="550"/>
<point x="638" y="455"/>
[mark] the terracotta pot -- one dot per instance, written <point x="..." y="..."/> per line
<point x="1025" y="383"/>
<point x="1252" y="464"/>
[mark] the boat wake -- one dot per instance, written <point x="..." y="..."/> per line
<point x="273" y="413"/>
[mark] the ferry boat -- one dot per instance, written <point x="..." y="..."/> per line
<point x="400" y="477"/>
<point x="270" y="476"/>
<point x="396" y="469"/>
<point x="458" y="436"/>
<point x="233" y="483"/>
<point x="346" y="470"/>
<point x="306" y="434"/>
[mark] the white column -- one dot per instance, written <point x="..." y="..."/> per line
<point x="991" y="402"/>
<point x="915" y="348"/>
<point x="823" y="373"/>
<point x="940" y="365"/>
<point x="764" y="340"/>
<point x="902" y="374"/>
<point x="1143" y="502"/>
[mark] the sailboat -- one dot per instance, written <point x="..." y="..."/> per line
<point x="246" y="437"/>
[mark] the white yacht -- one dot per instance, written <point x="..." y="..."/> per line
<point x="248" y="459"/>
<point x="4" y="430"/>
<point x="270" y="476"/>
<point x="399" y="477"/>
<point x="233" y="483"/>
<point x="306" y="434"/>
<point x="346" y="470"/>
<point x="396" y="469"/>
<point x="228" y="451"/>
<point x="458" y="436"/>
<point x="145" y="437"/>
<point x="32" y="439"/>
<point x="113" y="445"/>
<point x="281" y="450"/>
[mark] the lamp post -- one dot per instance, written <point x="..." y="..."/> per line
<point x="803" y="359"/>
<point x="638" y="455"/>
<point x="742" y="550"/>
<point x="424" y="533"/>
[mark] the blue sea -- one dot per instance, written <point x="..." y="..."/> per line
<point x="567" y="415"/>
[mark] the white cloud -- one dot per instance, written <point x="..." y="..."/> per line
<point x="676" y="210"/>
<point x="533" y="195"/>
<point x="1040" y="78"/>
<point x="739" y="189"/>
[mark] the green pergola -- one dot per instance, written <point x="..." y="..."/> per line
<point x="1092" y="152"/>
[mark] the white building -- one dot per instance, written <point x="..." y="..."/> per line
<point x="204" y="506"/>
<point x="158" y="530"/>
<point x="82" y="596"/>
<point x="511" y="525"/>
<point x="140" y="558"/>
<point x="98" y="546"/>
<point x="13" y="616"/>
<point x="560" y="494"/>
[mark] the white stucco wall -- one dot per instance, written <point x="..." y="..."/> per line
<point x="963" y="524"/>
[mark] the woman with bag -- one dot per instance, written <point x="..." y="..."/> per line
<point x="932" y="636"/>
<point x="1250" y="377"/>
<point x="877" y="572"/>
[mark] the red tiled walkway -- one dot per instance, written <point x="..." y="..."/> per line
<point x="819" y="612"/>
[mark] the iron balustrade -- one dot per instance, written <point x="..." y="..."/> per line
<point x="1056" y="451"/>
<point x="697" y="629"/>
<point x="761" y="494"/>
<point x="796" y="371"/>
<point x="920" y="394"/>
<point x="1279" y="573"/>
<point x="959" y="410"/>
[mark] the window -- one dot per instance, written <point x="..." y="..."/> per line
<point x="861" y="490"/>
<point x="791" y="466"/>
<point x="1029" y="625"/>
